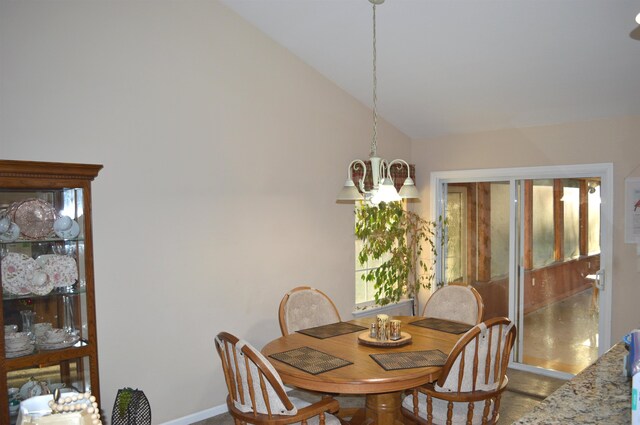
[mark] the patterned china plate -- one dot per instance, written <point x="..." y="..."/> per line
<point x="61" y="269"/>
<point x="17" y="273"/>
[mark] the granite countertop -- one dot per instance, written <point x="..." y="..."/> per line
<point x="600" y="394"/>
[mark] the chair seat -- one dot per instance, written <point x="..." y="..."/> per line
<point x="328" y="417"/>
<point x="439" y="412"/>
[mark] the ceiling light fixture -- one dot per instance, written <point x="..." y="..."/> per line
<point x="382" y="189"/>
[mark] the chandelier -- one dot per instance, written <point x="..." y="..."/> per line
<point x="383" y="189"/>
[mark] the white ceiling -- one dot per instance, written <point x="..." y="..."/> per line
<point x="461" y="66"/>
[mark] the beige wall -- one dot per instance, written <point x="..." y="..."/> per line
<point x="222" y="155"/>
<point x="605" y="141"/>
<point x="174" y="98"/>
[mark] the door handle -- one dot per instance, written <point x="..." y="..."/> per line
<point x="600" y="279"/>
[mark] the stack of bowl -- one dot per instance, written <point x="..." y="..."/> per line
<point x="17" y="344"/>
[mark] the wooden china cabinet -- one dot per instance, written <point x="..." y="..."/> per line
<point x="48" y="293"/>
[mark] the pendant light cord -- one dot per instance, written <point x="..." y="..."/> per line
<point x="374" y="140"/>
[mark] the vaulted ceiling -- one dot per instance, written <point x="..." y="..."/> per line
<point x="462" y="66"/>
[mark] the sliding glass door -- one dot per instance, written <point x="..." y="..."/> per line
<point x="477" y="248"/>
<point x="530" y="241"/>
<point x="558" y="261"/>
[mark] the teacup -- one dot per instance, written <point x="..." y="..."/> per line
<point x="16" y="341"/>
<point x="12" y="392"/>
<point x="39" y="279"/>
<point x="55" y="335"/>
<point x="5" y="223"/>
<point x="41" y="328"/>
<point x="63" y="224"/>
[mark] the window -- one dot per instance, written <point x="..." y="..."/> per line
<point x="543" y="225"/>
<point x="365" y="290"/>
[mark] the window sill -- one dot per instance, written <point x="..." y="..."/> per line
<point x="376" y="309"/>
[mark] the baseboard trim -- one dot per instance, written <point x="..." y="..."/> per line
<point x="198" y="416"/>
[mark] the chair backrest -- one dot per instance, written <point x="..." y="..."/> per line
<point x="254" y="385"/>
<point x="479" y="360"/>
<point x="305" y="307"/>
<point x="454" y="302"/>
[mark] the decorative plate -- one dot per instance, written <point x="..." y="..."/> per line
<point x="17" y="273"/>
<point x="34" y="216"/>
<point x="61" y="269"/>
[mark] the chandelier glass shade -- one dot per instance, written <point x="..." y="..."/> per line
<point x="382" y="188"/>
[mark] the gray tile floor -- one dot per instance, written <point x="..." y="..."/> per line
<point x="524" y="391"/>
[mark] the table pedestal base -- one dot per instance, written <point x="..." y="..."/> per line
<point x="380" y="409"/>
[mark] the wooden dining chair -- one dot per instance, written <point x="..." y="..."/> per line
<point x="472" y="381"/>
<point x="257" y="394"/>
<point x="305" y="307"/>
<point x="457" y="303"/>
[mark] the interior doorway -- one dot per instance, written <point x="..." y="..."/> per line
<point x="535" y="244"/>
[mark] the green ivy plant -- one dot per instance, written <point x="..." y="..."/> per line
<point x="388" y="229"/>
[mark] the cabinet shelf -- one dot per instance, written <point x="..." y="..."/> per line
<point x="45" y="240"/>
<point x="48" y="357"/>
<point x="56" y="292"/>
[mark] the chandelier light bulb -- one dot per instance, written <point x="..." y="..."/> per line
<point x="638" y="18"/>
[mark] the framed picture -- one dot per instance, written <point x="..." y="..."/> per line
<point x="632" y="210"/>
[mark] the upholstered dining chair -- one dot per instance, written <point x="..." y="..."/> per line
<point x="305" y="307"/>
<point x="472" y="381"/>
<point x="457" y="303"/>
<point x="257" y="394"/>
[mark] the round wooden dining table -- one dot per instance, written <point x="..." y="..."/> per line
<point x="383" y="388"/>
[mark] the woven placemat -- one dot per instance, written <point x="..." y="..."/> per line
<point x="442" y="325"/>
<point x="310" y="360"/>
<point x="410" y="359"/>
<point x="333" y="329"/>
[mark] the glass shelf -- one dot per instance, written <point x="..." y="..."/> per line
<point x="46" y="240"/>
<point x="69" y="290"/>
